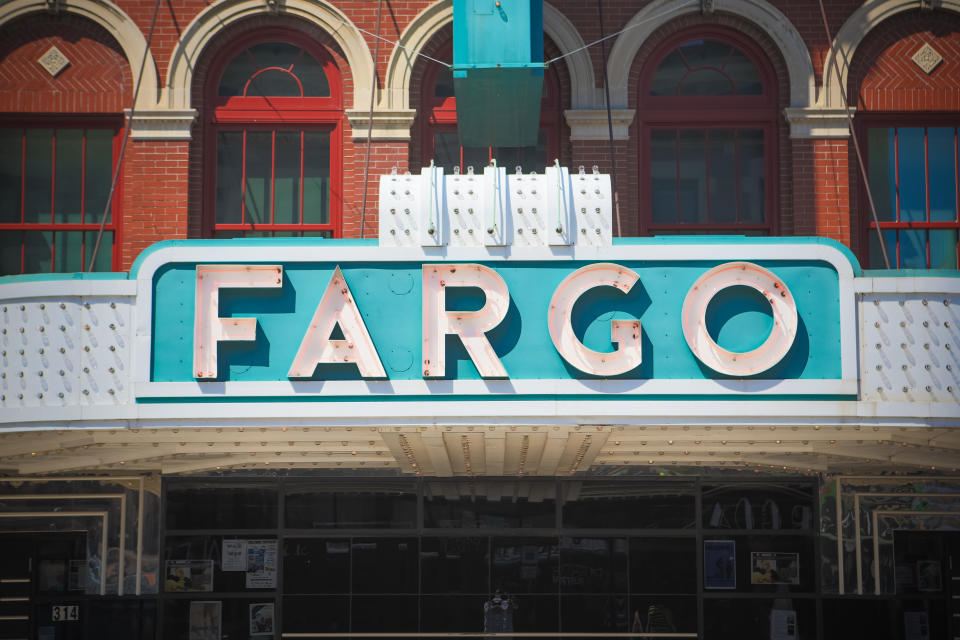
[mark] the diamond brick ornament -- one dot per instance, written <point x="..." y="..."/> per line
<point x="53" y="61"/>
<point x="927" y="58"/>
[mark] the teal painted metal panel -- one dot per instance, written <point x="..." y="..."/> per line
<point x="389" y="298"/>
<point x="498" y="71"/>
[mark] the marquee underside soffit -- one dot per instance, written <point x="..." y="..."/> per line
<point x="459" y="451"/>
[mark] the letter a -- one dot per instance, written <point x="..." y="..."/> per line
<point x="337" y="307"/>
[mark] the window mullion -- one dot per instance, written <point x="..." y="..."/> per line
<point x="706" y="165"/>
<point x="273" y="171"/>
<point x="53" y="202"/>
<point x="926" y="189"/>
<point x="83" y="197"/>
<point x="676" y="161"/>
<point x="736" y="172"/>
<point x="303" y="142"/>
<point x="243" y="178"/>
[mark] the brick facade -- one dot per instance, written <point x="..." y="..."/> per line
<point x="163" y="179"/>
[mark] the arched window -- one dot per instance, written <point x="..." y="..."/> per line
<point x="441" y="143"/>
<point x="274" y="144"/>
<point x="708" y="115"/>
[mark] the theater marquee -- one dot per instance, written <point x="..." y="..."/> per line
<point x="643" y="318"/>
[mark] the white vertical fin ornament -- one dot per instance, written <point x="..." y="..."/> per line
<point x="470" y="326"/>
<point x="208" y="327"/>
<point x="337" y="308"/>
<point x="626" y="333"/>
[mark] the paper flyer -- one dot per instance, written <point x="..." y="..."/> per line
<point x="261" y="564"/>
<point x="234" y="555"/>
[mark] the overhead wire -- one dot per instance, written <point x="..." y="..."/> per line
<point x="606" y="90"/>
<point x="126" y="137"/>
<point x="853" y="136"/>
<point x="373" y="93"/>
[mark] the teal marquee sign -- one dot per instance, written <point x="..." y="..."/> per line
<point x="643" y="318"/>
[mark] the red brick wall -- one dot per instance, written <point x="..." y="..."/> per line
<point x="97" y="80"/>
<point x="154" y="195"/>
<point x="883" y="77"/>
<point x="162" y="193"/>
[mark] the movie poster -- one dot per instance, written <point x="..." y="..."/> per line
<point x="205" y="620"/>
<point x="189" y="575"/>
<point x="772" y="567"/>
<point x="719" y="564"/>
<point x="261" y="619"/>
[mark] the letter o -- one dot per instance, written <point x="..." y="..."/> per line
<point x="748" y="363"/>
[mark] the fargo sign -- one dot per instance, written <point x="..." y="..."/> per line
<point x="652" y="317"/>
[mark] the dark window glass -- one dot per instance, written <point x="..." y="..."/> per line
<point x="122" y="619"/>
<point x="524" y="565"/>
<point x="663" y="565"/>
<point x="56" y="555"/>
<point x="55" y="177"/>
<point x="259" y="177"/>
<point x="448" y="153"/>
<point x="274" y="69"/>
<point x="11" y="141"/>
<point x="913" y="182"/>
<point x="664" y="614"/>
<point x="454" y="565"/>
<point x="774" y="564"/>
<point x="221" y="507"/>
<point x="351" y="505"/>
<point x="753" y="618"/>
<point x="443" y="86"/>
<point x="370" y="614"/>
<point x="524" y="504"/>
<point x="234" y="616"/>
<point x="527" y="614"/>
<point x="593" y="565"/>
<point x="758" y="506"/>
<point x="315" y="614"/>
<point x="316" y="177"/>
<point x="706" y="68"/>
<point x="602" y="614"/>
<point x="316" y="565"/>
<point x="626" y="505"/>
<point x="193" y="564"/>
<point x="707" y="176"/>
<point x="384" y="565"/>
<point x="440" y="614"/>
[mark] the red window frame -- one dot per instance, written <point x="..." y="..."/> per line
<point x="710" y="113"/>
<point x="89" y="220"/>
<point x="926" y="121"/>
<point x="256" y="113"/>
<point x="441" y="112"/>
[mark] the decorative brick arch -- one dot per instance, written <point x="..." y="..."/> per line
<point x="116" y="22"/>
<point x="429" y="22"/>
<point x="854" y="32"/>
<point x="176" y="93"/>
<point x="887" y="53"/>
<point x="765" y="16"/>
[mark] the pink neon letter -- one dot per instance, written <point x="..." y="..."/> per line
<point x="626" y="333"/>
<point x="694" y="319"/>
<point x="337" y="307"/>
<point x="469" y="325"/>
<point x="208" y="327"/>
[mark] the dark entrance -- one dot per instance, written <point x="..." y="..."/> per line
<point x="44" y="596"/>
